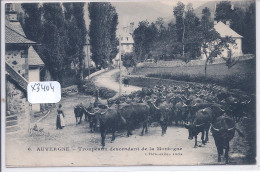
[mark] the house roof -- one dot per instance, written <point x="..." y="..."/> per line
<point x="224" y="30"/>
<point x="14" y="34"/>
<point x="33" y="58"/>
<point x="127" y="39"/>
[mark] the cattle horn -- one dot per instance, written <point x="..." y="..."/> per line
<point x="221" y="109"/>
<point x="199" y="125"/>
<point x="91" y="113"/>
<point x="155" y="106"/>
<point x="103" y="112"/>
<point x="231" y="129"/>
<point x="194" y="105"/>
<point x="215" y="129"/>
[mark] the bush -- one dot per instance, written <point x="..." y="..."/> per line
<point x="104" y="93"/>
<point x="89" y="88"/>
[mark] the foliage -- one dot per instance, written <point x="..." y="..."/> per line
<point x="178" y="12"/>
<point x="32" y="22"/>
<point x="91" y="89"/>
<point x="190" y="39"/>
<point x="242" y="21"/>
<point x="76" y="31"/>
<point x="213" y="45"/>
<point x="54" y="39"/>
<point x="106" y="93"/>
<point x="102" y="32"/>
<point x="206" y="22"/>
<point x="129" y="60"/>
<point x="144" y="36"/>
<point x="223" y="11"/>
<point x="61" y="33"/>
<point x="230" y="62"/>
<point x="249" y="42"/>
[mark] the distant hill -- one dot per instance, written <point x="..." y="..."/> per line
<point x="139" y="11"/>
<point x="211" y="5"/>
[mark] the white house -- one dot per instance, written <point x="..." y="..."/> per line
<point x="127" y="44"/>
<point x="225" y="30"/>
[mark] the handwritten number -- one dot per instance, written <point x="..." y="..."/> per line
<point x="43" y="87"/>
<point x="52" y="87"/>
<point x="38" y="87"/>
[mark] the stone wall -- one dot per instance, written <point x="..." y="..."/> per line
<point x="18" y="60"/>
<point x="17" y="108"/>
<point x="17" y="116"/>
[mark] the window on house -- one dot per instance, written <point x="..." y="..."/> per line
<point x="9" y="7"/>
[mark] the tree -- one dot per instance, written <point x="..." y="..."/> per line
<point x="206" y="22"/>
<point x="249" y="43"/>
<point x="76" y="31"/>
<point x="230" y="61"/>
<point x="139" y="40"/>
<point x="102" y="29"/>
<point x="190" y="40"/>
<point x="223" y="11"/>
<point x="129" y="60"/>
<point x="178" y="12"/>
<point x="212" y="46"/>
<point x="237" y="20"/>
<point x="113" y="39"/>
<point x="32" y="23"/>
<point x="54" y="39"/>
<point x="145" y="36"/>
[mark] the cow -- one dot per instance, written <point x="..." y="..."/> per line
<point x="109" y="121"/>
<point x="181" y="113"/>
<point x="223" y="130"/>
<point x="125" y="114"/>
<point x="161" y="114"/>
<point x="201" y="124"/>
<point x="79" y="110"/>
<point x="93" y="119"/>
<point x="134" y="114"/>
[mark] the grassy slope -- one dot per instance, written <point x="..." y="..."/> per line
<point x="241" y="76"/>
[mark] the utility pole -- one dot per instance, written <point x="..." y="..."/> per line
<point x="183" y="33"/>
<point x="120" y="75"/>
<point x="88" y="57"/>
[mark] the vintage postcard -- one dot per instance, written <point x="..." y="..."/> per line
<point x="132" y="83"/>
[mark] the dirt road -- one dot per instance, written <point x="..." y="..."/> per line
<point x="108" y="80"/>
<point x="77" y="146"/>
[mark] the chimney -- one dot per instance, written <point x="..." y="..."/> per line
<point x="10" y="12"/>
<point x="228" y="23"/>
<point x="215" y="22"/>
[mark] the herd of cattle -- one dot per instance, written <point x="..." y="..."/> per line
<point x="196" y="107"/>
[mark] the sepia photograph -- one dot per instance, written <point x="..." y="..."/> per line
<point x="129" y="83"/>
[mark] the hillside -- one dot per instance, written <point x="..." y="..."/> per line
<point x="212" y="5"/>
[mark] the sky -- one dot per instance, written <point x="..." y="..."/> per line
<point x="136" y="11"/>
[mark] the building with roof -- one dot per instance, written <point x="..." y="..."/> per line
<point x="21" y="61"/>
<point x="127" y="42"/>
<point x="224" y="30"/>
